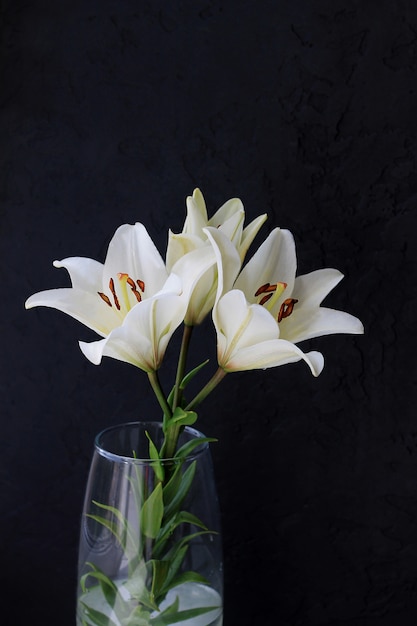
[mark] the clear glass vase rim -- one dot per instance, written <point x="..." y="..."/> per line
<point x="120" y="458"/>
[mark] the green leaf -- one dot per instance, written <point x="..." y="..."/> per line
<point x="158" y="468"/>
<point x="112" y="509"/>
<point x="107" y="586"/>
<point x="188" y="447"/>
<point x="147" y="600"/>
<point x="164" y="619"/>
<point x="188" y="377"/>
<point x="170" y="555"/>
<point x="183" y="517"/>
<point x="187" y="577"/>
<point x="181" y="418"/>
<point x="152" y="513"/>
<point x="159" y="572"/>
<point x="174" y="566"/>
<point x="136" y="482"/>
<point x="171" y="609"/>
<point x="123" y="535"/>
<point x="183" y="488"/>
<point x="171" y="487"/>
<point x="185" y="418"/>
<point x="110" y="525"/>
<point x="96" y="618"/>
<point x="170" y="399"/>
<point x="184" y="382"/>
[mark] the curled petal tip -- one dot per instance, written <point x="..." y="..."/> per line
<point x="92" y="351"/>
<point x="315" y="361"/>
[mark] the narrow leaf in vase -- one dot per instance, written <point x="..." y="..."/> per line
<point x="152" y="513"/>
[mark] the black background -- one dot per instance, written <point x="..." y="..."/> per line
<point x="113" y="112"/>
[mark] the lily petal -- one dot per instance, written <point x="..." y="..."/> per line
<point x="309" y="323"/>
<point x="240" y="325"/>
<point x="233" y="227"/>
<point x="274" y="353"/>
<point x="131" y="251"/>
<point x="227" y="220"/>
<point x="225" y="212"/>
<point x="274" y="261"/>
<point x="86" y="274"/>
<point x="179" y="245"/>
<point x="249" y="234"/>
<point x="83" y="306"/>
<point x="227" y="259"/>
<point x="196" y="213"/>
<point x="311" y="289"/>
<point x="308" y="319"/>
<point x="102" y="295"/>
<point x="248" y="338"/>
<point x="198" y="274"/>
<point x="143" y="337"/>
<point x="202" y="298"/>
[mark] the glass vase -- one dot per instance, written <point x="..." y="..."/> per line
<point x="150" y="551"/>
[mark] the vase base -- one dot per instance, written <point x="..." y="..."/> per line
<point x="190" y="596"/>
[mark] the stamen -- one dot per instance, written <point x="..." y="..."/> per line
<point x="124" y="279"/>
<point x="287" y="308"/>
<point x="105" y="298"/>
<point x="265" y="288"/>
<point x="134" y="289"/>
<point x="113" y="291"/>
<point x="272" y="293"/>
<point x="265" y="298"/>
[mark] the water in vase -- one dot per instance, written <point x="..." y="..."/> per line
<point x="190" y="596"/>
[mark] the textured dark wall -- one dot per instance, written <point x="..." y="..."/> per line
<point x="112" y="112"/>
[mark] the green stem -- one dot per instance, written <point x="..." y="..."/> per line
<point x="208" y="388"/>
<point x="186" y="338"/>
<point x="170" y="443"/>
<point x="171" y="436"/>
<point x="160" y="396"/>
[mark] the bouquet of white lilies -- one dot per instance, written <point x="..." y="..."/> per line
<point x="261" y="310"/>
<point x="135" y="301"/>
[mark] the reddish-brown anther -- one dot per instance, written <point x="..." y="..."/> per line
<point x="287" y="308"/>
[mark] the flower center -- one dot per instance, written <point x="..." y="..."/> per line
<point x="125" y="282"/>
<point x="271" y="293"/>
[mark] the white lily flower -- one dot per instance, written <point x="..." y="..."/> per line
<point x="102" y="294"/>
<point x="130" y="300"/>
<point x="144" y="335"/>
<point x="229" y="220"/>
<point x="292" y="311"/>
<point x="142" y="338"/>
<point x="308" y="319"/>
<point x="248" y="337"/>
<point x="269" y="279"/>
